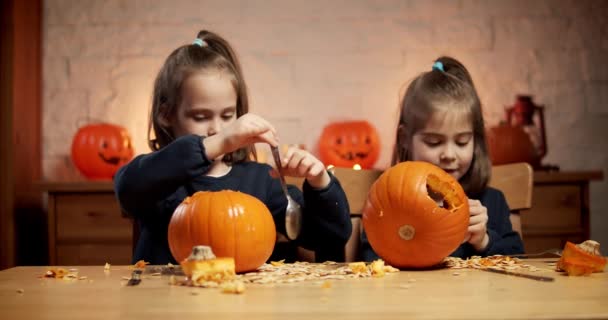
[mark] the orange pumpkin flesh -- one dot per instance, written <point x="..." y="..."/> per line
<point x="203" y="266"/>
<point x="232" y="223"/>
<point x="581" y="259"/>
<point x="405" y="224"/>
<point x="346" y="144"/>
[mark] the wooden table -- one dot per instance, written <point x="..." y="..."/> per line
<point x="436" y="294"/>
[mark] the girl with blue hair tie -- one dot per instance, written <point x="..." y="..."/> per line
<point x="441" y="122"/>
<point x="202" y="137"/>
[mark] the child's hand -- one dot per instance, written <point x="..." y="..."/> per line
<point x="244" y="131"/>
<point x="300" y="163"/>
<point x="478" y="233"/>
<point x="247" y="130"/>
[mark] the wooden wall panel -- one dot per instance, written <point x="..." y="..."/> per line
<point x="22" y="218"/>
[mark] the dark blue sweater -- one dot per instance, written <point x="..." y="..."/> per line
<point x="503" y="240"/>
<point x="151" y="186"/>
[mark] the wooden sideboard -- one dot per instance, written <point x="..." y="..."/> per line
<point x="86" y="227"/>
<point x="85" y="224"/>
<point x="560" y="209"/>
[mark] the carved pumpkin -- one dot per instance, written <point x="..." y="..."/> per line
<point x="232" y="223"/>
<point x="98" y="150"/>
<point x="581" y="259"/>
<point x="346" y="144"/>
<point x="416" y="214"/>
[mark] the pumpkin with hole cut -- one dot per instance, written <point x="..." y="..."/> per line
<point x="415" y="215"/>
<point x="346" y="144"/>
<point x="99" y="150"/>
<point x="232" y="223"/>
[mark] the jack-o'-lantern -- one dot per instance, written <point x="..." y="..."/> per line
<point x="98" y="150"/>
<point x="348" y="144"/>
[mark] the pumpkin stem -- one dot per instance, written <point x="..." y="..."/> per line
<point x="201" y="253"/>
<point x="591" y="247"/>
<point x="407" y="232"/>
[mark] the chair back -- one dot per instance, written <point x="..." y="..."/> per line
<point x="515" y="180"/>
<point x="356" y="184"/>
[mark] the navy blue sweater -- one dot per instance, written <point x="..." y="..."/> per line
<point x="503" y="240"/>
<point x="151" y="186"/>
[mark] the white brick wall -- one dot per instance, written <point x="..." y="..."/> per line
<point x="309" y="63"/>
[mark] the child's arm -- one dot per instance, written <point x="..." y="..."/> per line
<point x="150" y="178"/>
<point x="329" y="225"/>
<point x="502" y="238"/>
<point x="326" y="224"/>
<point x="147" y="179"/>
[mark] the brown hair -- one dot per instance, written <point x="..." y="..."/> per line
<point x="214" y="53"/>
<point x="450" y="89"/>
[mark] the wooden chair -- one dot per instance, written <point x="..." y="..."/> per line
<point x="356" y="184"/>
<point x="515" y="181"/>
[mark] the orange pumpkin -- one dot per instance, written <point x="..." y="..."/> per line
<point x="582" y="259"/>
<point x="510" y="144"/>
<point x="416" y="214"/>
<point x="346" y="144"/>
<point x="98" y="150"/>
<point x="232" y="223"/>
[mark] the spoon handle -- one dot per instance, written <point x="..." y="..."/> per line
<point x="277" y="161"/>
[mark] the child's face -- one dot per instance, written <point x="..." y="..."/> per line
<point x="208" y="104"/>
<point x="447" y="141"/>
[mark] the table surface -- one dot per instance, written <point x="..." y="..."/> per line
<point x="436" y="294"/>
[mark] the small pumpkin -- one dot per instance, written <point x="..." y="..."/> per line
<point x="416" y="214"/>
<point x="581" y="259"/>
<point x="351" y="143"/>
<point x="99" y="150"/>
<point x="232" y="223"/>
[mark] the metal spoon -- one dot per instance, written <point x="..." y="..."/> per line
<point x="293" y="213"/>
<point x="547" y="253"/>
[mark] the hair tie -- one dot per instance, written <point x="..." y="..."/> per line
<point x="438" y="65"/>
<point x="199" y="42"/>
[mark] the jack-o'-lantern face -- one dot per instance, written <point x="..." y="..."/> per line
<point x="98" y="150"/>
<point x="347" y="144"/>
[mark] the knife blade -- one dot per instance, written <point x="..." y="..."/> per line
<point x="135" y="278"/>
<point x="519" y="274"/>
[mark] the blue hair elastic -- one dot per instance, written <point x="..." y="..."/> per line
<point x="438" y="65"/>
<point x="199" y="42"/>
